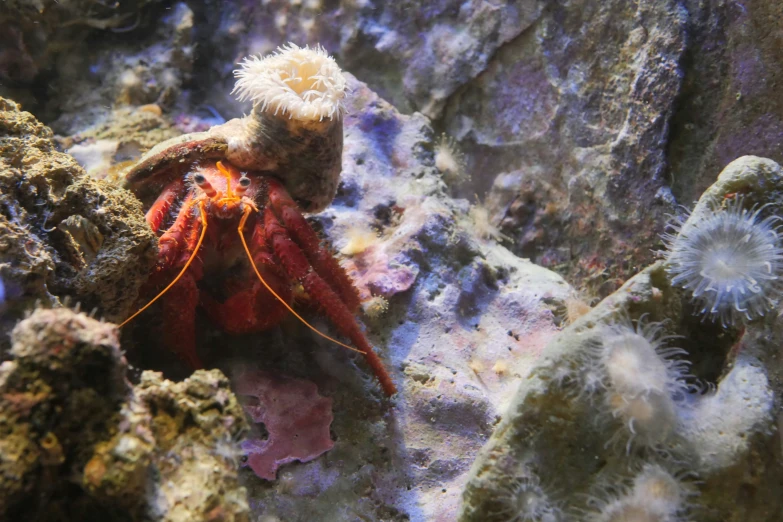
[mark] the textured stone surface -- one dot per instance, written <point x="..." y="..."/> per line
<point x="731" y="92"/>
<point x="573" y="119"/>
<point x="565" y="433"/>
<point x="61" y="233"/>
<point x="71" y="62"/>
<point x="414" y="55"/>
<point x="577" y="117"/>
<point x="80" y="443"/>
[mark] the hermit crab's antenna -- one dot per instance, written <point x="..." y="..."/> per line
<point x="245" y="215"/>
<point x="184" y="268"/>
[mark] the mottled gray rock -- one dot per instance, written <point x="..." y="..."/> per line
<point x="72" y="62"/>
<point x="730" y="96"/>
<point x="571" y="121"/>
<point x="414" y="55"/>
<point x="593" y="435"/>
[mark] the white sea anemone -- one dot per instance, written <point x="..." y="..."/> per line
<point x="644" y="381"/>
<point x="450" y="161"/>
<point x="304" y="83"/>
<point x="655" y="496"/>
<point x="483" y="225"/>
<point x="524" y="500"/>
<point x="730" y="260"/>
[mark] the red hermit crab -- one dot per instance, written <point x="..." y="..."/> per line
<point x="232" y="239"/>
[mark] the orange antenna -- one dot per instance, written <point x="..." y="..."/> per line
<point x="248" y="209"/>
<point x="182" y="272"/>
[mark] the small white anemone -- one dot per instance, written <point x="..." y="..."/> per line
<point x="655" y="495"/>
<point x="450" y="161"/>
<point x="730" y="259"/>
<point x="525" y="500"/>
<point x="645" y="382"/>
<point x="305" y="83"/>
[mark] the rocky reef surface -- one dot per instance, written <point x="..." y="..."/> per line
<point x="618" y="424"/>
<point x="80" y="443"/>
<point x="585" y="122"/>
<point x="62" y="233"/>
<point x="458" y="320"/>
<point x="457" y="317"/>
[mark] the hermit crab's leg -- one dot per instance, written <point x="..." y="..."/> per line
<point x="320" y="258"/>
<point x="185" y="212"/>
<point x="251" y="307"/>
<point x="162" y="206"/>
<point x="178" y="309"/>
<point x="240" y="229"/>
<point x="298" y="268"/>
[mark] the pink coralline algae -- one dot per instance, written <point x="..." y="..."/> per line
<point x="295" y="415"/>
<point x="373" y="274"/>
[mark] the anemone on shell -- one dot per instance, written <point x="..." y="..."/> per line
<point x="302" y="82"/>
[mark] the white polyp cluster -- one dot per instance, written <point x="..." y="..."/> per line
<point x="730" y="260"/>
<point x="656" y="496"/>
<point x="304" y="83"/>
<point x="643" y="380"/>
<point x="524" y="500"/>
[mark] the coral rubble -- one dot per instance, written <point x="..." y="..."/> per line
<point x="80" y="443"/>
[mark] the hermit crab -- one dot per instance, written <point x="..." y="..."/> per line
<point x="227" y="205"/>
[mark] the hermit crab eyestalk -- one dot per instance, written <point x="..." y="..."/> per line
<point x="243" y="185"/>
<point x="201" y="181"/>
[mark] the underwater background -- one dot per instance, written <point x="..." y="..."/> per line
<point x="561" y="219"/>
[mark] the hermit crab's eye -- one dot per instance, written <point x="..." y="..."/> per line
<point x="201" y="180"/>
<point x="244" y="183"/>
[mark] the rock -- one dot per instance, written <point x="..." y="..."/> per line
<point x="731" y="71"/>
<point x="63" y="234"/>
<point x="79" y="442"/>
<point x="570" y="120"/>
<point x="595" y="431"/>
<point x="107" y="148"/>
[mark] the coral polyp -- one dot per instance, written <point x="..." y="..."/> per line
<point x="730" y="259"/>
<point x="450" y="161"/>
